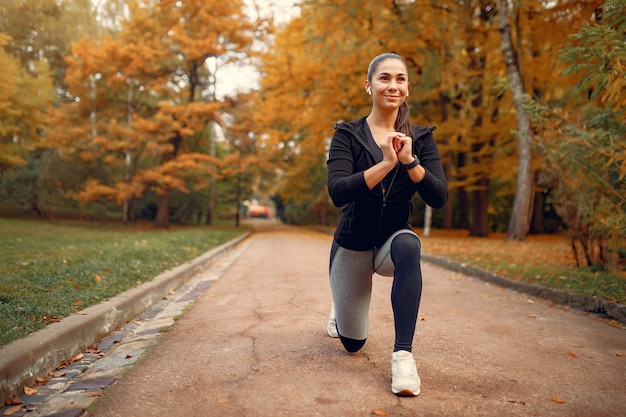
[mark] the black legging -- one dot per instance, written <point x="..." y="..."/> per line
<point x="406" y="291"/>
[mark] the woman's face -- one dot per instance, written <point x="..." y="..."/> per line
<point x="390" y="84"/>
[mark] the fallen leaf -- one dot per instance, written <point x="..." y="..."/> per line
<point x="13" y="401"/>
<point x="95" y="395"/>
<point x="63" y="364"/>
<point x="576" y="346"/>
<point x="128" y="357"/>
<point x="621" y="355"/>
<point x="532" y="316"/>
<point x="40" y="381"/>
<point x="56" y="374"/>
<point x="223" y="401"/>
<point x="76" y="358"/>
<point x="92" y="349"/>
<point x="98" y="278"/>
<point x="30" y="391"/>
<point x="530" y="301"/>
<point x="572" y="354"/>
<point x="616" y="324"/>
<point x="12" y="410"/>
<point x="170" y="291"/>
<point x="558" y="400"/>
<point x="379" y="412"/>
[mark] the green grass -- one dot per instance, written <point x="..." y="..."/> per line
<point x="606" y="285"/>
<point x="51" y="270"/>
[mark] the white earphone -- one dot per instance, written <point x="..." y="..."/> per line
<point x="369" y="91"/>
<point x="407" y="93"/>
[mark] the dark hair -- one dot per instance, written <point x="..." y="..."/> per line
<point x="403" y="124"/>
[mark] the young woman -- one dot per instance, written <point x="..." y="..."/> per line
<point x="375" y="166"/>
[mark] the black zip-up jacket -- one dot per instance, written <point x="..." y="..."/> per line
<point x="364" y="224"/>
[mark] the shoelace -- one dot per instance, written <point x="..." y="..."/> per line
<point x="405" y="367"/>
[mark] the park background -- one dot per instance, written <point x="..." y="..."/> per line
<point x="114" y="116"/>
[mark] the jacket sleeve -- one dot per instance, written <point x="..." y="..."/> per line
<point x="344" y="184"/>
<point x="433" y="188"/>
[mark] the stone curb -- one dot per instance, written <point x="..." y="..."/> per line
<point x="602" y="308"/>
<point x="38" y="353"/>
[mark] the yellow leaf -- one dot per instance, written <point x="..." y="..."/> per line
<point x="572" y="354"/>
<point x="379" y="412"/>
<point x="98" y="278"/>
<point x="76" y="358"/>
<point x="12" y="410"/>
<point x="30" y="391"/>
<point x="558" y="400"/>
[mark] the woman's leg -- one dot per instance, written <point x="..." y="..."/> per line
<point x="351" y="287"/>
<point x="406" y="291"/>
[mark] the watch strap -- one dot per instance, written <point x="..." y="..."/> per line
<point x="413" y="164"/>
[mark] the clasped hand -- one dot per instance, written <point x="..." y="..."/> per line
<point x="397" y="146"/>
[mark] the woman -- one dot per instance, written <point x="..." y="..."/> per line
<point x="375" y="166"/>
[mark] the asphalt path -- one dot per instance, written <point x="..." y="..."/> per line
<point x="255" y="344"/>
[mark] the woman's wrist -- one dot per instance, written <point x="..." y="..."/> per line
<point x="412" y="163"/>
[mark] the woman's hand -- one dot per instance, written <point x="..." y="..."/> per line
<point x="392" y="145"/>
<point x="404" y="149"/>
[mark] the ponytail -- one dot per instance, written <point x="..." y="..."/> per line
<point x="403" y="124"/>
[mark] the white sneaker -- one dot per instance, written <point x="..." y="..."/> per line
<point x="331" y="325"/>
<point x="405" y="380"/>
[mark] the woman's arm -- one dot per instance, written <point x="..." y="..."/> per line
<point x="348" y="182"/>
<point x="433" y="187"/>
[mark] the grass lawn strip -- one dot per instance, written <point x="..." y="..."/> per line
<point x="545" y="260"/>
<point x="51" y="270"/>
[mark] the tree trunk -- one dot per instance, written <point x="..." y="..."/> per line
<point x="480" y="205"/>
<point x="428" y="219"/>
<point x="463" y="221"/>
<point x="162" y="219"/>
<point x="212" y="184"/>
<point x="536" y="222"/>
<point x="520" y="217"/>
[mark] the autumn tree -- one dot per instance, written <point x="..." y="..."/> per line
<point x="520" y="217"/>
<point x="583" y="140"/>
<point x="39" y="36"/>
<point x="23" y="95"/>
<point x="141" y="109"/>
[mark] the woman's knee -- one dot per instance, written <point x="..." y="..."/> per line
<point x="406" y="246"/>
<point x="351" y="345"/>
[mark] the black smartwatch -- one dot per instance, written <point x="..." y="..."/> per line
<point x="413" y="164"/>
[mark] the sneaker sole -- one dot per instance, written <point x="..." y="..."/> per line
<point x="406" y="393"/>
